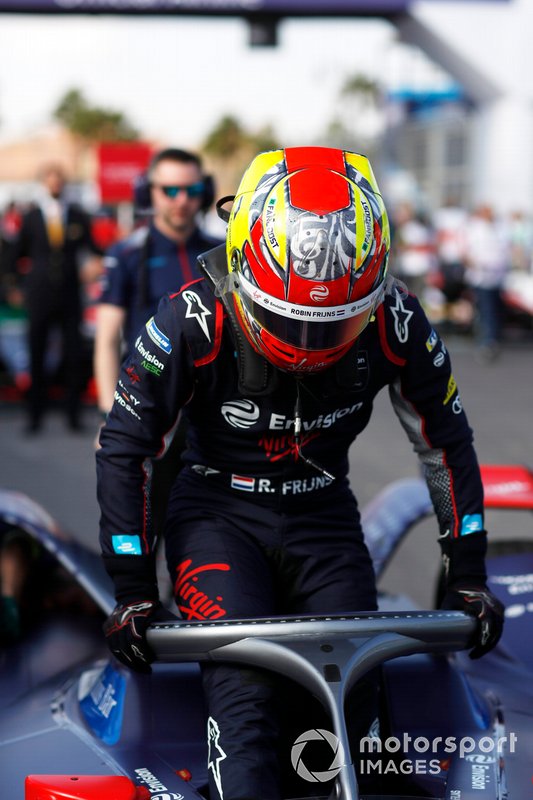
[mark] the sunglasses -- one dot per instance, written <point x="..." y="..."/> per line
<point x="193" y="190"/>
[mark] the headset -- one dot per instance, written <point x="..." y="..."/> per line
<point x="142" y="199"/>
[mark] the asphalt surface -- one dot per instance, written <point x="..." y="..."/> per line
<point x="56" y="467"/>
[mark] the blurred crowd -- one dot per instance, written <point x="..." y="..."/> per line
<point x="75" y="287"/>
<point x="471" y="269"/>
<point x="50" y="269"/>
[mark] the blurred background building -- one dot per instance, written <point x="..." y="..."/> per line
<point x="446" y="92"/>
<point x="438" y="94"/>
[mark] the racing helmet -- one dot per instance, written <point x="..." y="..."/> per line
<point x="307" y="248"/>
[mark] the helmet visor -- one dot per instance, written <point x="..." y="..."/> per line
<point x="308" y="327"/>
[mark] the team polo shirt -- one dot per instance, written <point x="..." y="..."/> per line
<point x="144" y="267"/>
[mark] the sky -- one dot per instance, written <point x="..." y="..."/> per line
<point x="175" y="77"/>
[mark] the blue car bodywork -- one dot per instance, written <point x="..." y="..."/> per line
<point x="449" y="727"/>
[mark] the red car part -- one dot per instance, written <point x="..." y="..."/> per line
<point x="507" y="486"/>
<point x="83" y="787"/>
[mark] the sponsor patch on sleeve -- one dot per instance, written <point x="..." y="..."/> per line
<point x="471" y="523"/>
<point x="431" y="341"/>
<point x="157" y="336"/>
<point x="150" y="362"/>
<point x="129" y="545"/>
<point x="450" y="391"/>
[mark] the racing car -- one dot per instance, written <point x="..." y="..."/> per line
<point x="76" y="725"/>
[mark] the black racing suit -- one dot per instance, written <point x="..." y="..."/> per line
<point x="139" y="270"/>
<point x="251" y="529"/>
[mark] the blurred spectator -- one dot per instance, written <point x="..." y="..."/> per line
<point x="140" y="269"/>
<point x="518" y="287"/>
<point x="56" y="244"/>
<point x="520" y="235"/>
<point x="13" y="349"/>
<point x="414" y="249"/>
<point x="10" y="224"/>
<point x="450" y="224"/>
<point x="450" y="295"/>
<point x="487" y="259"/>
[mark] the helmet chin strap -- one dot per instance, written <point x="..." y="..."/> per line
<point x="256" y="375"/>
<point x="297" y="433"/>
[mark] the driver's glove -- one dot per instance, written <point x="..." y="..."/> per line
<point x="138" y="605"/>
<point x="466" y="588"/>
<point x="125" y="631"/>
<point x="481" y="603"/>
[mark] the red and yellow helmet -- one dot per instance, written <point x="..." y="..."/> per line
<point x="307" y="245"/>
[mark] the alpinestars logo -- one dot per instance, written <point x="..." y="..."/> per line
<point x="216" y="753"/>
<point x="195" y="308"/>
<point x="402" y="316"/>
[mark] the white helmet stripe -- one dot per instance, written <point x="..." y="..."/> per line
<point x="310" y="313"/>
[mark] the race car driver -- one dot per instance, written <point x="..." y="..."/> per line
<point x="275" y="358"/>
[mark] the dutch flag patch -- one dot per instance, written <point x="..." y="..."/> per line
<point x="243" y="483"/>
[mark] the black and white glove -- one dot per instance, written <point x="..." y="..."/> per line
<point x="138" y="605"/>
<point x="479" y="602"/>
<point x="466" y="588"/>
<point x="125" y="631"/>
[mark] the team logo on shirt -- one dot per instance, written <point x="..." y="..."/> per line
<point x="132" y="375"/>
<point x="127" y="400"/>
<point x="190" y="599"/>
<point x="280" y="422"/>
<point x="240" y="413"/>
<point x="150" y="362"/>
<point x="196" y="309"/>
<point x="279" y="447"/>
<point x="402" y="316"/>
